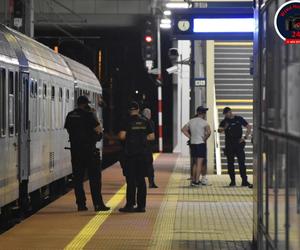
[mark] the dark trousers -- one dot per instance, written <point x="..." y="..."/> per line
<point x="136" y="191"/>
<point x="135" y="172"/>
<point x="232" y="150"/>
<point x="82" y="160"/>
<point x="150" y="167"/>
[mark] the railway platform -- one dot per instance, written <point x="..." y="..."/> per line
<point x="177" y="217"/>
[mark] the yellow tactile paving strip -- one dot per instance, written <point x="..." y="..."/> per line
<point x="212" y="217"/>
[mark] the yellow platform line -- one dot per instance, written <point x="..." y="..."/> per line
<point x="234" y="43"/>
<point x="233" y="107"/>
<point x="89" y="230"/>
<point x="235" y="100"/>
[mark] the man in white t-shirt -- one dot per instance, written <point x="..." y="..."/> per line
<point x="198" y="131"/>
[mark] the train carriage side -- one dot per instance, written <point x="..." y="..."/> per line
<point x="9" y="75"/>
<point x="51" y="97"/>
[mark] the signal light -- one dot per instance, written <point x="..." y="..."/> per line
<point x="148" y="39"/>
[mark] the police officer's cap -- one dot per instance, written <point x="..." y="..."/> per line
<point x="82" y="100"/>
<point x="201" y="109"/>
<point x="133" y="106"/>
<point x="226" y="110"/>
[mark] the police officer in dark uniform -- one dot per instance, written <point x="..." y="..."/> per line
<point x="235" y="143"/>
<point x="84" y="132"/>
<point x="136" y="132"/>
<point x="149" y="155"/>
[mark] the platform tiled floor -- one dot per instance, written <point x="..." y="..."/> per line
<point x="178" y="217"/>
<point x="210" y="217"/>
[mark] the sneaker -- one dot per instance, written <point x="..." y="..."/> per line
<point x="126" y="210"/>
<point x="99" y="208"/>
<point x="82" y="208"/>
<point x="204" y="181"/>
<point x="139" y="210"/>
<point x="195" y="184"/>
<point x="232" y="184"/>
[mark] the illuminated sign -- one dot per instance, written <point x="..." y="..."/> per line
<point x="209" y="25"/>
<point x="213" y="24"/>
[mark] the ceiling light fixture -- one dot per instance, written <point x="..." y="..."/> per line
<point x="167" y="13"/>
<point x="177" y="5"/>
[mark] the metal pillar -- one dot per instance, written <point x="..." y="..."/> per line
<point x="210" y="102"/>
<point x="192" y="79"/>
<point x="29" y="18"/>
<point x="159" y="89"/>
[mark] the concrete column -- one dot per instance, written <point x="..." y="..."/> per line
<point x="183" y="96"/>
<point x="210" y="102"/>
<point x="29" y="18"/>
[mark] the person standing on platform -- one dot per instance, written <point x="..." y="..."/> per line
<point x="84" y="131"/>
<point x="149" y="154"/>
<point x="136" y="132"/>
<point x="198" y="131"/>
<point x="232" y="126"/>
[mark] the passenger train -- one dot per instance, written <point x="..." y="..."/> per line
<point x="38" y="87"/>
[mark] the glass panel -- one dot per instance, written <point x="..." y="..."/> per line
<point x="3" y="101"/>
<point x="32" y="88"/>
<point x="264" y="184"/>
<point x="281" y="194"/>
<point x="293" y="108"/>
<point x="11" y="87"/>
<point x="271" y="165"/>
<point x="16" y="102"/>
<point x="294" y="196"/>
<point x="60" y="94"/>
<point x="11" y="103"/>
<point x="52" y="92"/>
<point x="44" y="91"/>
<point x="67" y="95"/>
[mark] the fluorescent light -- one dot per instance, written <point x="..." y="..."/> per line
<point x="177" y="5"/>
<point x="210" y="25"/>
<point x="167" y="13"/>
<point x="165" y="25"/>
<point x="165" y="21"/>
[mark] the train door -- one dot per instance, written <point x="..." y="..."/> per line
<point x="24" y="128"/>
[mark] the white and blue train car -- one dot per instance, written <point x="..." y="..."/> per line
<point x="38" y="87"/>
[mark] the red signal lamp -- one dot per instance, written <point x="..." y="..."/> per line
<point x="148" y="39"/>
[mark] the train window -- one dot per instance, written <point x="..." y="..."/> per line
<point x="60" y="94"/>
<point x="11" y="83"/>
<point x="67" y="95"/>
<point x="11" y="103"/>
<point x="52" y="93"/>
<point x="44" y="91"/>
<point x="3" y="101"/>
<point x="36" y="88"/>
<point x="16" y="102"/>
<point x="32" y="88"/>
<point x="26" y="98"/>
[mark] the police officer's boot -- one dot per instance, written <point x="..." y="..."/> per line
<point x="82" y="208"/>
<point x="232" y="182"/>
<point x="245" y="183"/>
<point x="99" y="208"/>
<point x="152" y="183"/>
<point x="126" y="209"/>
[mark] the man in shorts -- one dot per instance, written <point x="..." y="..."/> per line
<point x="198" y="131"/>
